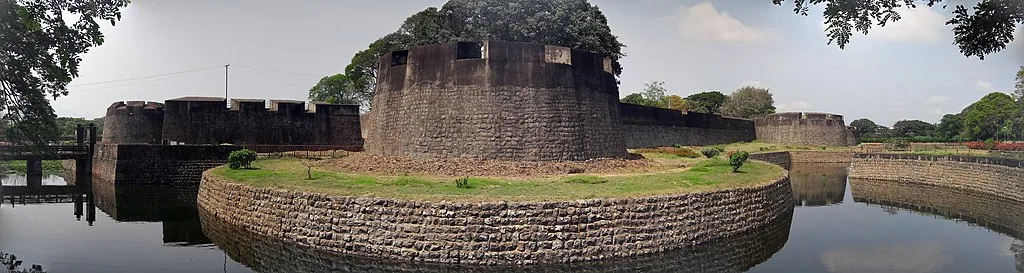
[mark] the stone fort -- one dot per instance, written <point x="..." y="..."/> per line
<point x="525" y="101"/>
<point x="208" y="120"/>
<point x="804" y="129"/>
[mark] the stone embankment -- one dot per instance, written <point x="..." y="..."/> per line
<point x="787" y="158"/>
<point x="495" y="233"/>
<point x="263" y="253"/>
<point x="990" y="176"/>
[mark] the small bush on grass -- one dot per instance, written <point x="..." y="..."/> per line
<point x="463" y="183"/>
<point x="241" y="159"/>
<point x="737" y="159"/>
<point x="585" y="179"/>
<point x="709" y="152"/>
<point x="720" y="148"/>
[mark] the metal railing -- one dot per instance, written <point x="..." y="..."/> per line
<point x="56" y="151"/>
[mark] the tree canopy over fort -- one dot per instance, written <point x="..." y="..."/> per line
<point x="571" y="23"/>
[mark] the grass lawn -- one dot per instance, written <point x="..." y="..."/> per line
<point x="19" y="166"/>
<point x="703" y="175"/>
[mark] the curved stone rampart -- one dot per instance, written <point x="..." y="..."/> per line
<point x="797" y="128"/>
<point x="990" y="176"/>
<point x="262" y="253"/>
<point x="495" y="233"/>
<point x="495" y="100"/>
<point x="133" y="122"/>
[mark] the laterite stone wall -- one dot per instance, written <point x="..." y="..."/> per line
<point x="495" y="100"/>
<point x="989" y="176"/>
<point x="143" y="164"/>
<point x="737" y="253"/>
<point x="797" y="128"/>
<point x="495" y="233"/>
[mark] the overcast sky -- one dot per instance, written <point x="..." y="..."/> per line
<point x="279" y="49"/>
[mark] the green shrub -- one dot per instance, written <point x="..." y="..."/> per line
<point x="823" y="147"/>
<point x="463" y="183"/>
<point x="990" y="144"/>
<point x="897" y="144"/>
<point x="720" y="148"/>
<point x="677" y="146"/>
<point x="709" y="152"/>
<point x="585" y="179"/>
<point x="737" y="159"/>
<point x="241" y="159"/>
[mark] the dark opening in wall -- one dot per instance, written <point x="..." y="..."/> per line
<point x="399" y="57"/>
<point x="469" y="50"/>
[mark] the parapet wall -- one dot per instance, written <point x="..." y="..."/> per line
<point x="202" y="120"/>
<point x="989" y="176"/>
<point x="645" y="126"/>
<point x="133" y="122"/>
<point x="804" y="129"/>
<point x="496" y="233"/>
<point x="495" y="100"/>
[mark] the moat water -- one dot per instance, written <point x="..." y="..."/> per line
<point x="839" y="225"/>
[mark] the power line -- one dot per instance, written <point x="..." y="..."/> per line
<point x="147" y="77"/>
<point x="127" y="84"/>
<point x="245" y="70"/>
<point x="279" y="71"/>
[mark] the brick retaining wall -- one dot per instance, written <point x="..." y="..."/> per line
<point x="496" y="233"/>
<point x="989" y="176"/>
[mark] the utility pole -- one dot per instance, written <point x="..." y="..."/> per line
<point x="226" y="82"/>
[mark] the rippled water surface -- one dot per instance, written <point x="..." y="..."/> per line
<point x="838" y="225"/>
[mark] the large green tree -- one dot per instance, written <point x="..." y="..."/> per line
<point x="41" y="51"/>
<point x="706" y="102"/>
<point x="337" y="88"/>
<point x="985" y="118"/>
<point x="950" y="127"/>
<point x="865" y="127"/>
<point x="982" y="30"/>
<point x="571" y="23"/>
<point x="913" y="128"/>
<point x="748" y="102"/>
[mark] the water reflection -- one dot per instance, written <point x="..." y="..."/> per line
<point x="173" y="206"/>
<point x="735" y="254"/>
<point x="992" y="212"/>
<point x="818" y="184"/>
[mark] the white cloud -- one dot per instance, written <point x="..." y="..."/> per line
<point x="984" y="86"/>
<point x="920" y="24"/>
<point x="936" y="100"/>
<point x="796" y="106"/>
<point x="704" y="22"/>
<point x="935" y="111"/>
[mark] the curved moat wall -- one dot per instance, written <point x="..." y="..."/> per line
<point x="989" y="176"/>
<point x="496" y="233"/>
<point x="495" y="100"/>
<point x="804" y="129"/>
<point x="262" y="253"/>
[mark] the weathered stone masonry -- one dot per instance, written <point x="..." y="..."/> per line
<point x="737" y="253"/>
<point x="645" y="126"/>
<point x="989" y="176"/>
<point x="144" y="164"/>
<point x="497" y="233"/>
<point x="495" y="100"/>
<point x="804" y="129"/>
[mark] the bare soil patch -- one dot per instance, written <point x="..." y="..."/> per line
<point x="402" y="165"/>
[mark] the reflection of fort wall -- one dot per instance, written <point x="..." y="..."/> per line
<point x="173" y="206"/>
<point x="991" y="211"/>
<point x="818" y="184"/>
<point x="266" y="254"/>
<point x="988" y="176"/>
